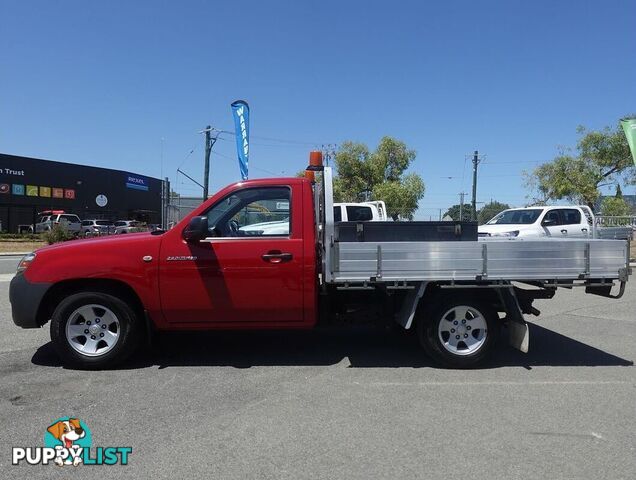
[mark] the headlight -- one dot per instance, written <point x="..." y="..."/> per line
<point x="513" y="233"/>
<point x="25" y="262"/>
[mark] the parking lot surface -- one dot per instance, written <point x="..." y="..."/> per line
<point x="354" y="403"/>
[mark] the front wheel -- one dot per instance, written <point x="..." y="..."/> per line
<point x="458" y="333"/>
<point x="94" y="330"/>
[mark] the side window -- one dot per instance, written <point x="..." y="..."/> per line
<point x="359" y="214"/>
<point x="337" y="214"/>
<point x="552" y="218"/>
<point x="571" y="216"/>
<point x="86" y="223"/>
<point x="253" y="212"/>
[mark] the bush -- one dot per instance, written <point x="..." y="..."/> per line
<point x="27" y="237"/>
<point x="615" y="206"/>
<point x="58" y="234"/>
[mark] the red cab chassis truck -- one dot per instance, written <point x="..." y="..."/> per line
<point x="217" y="270"/>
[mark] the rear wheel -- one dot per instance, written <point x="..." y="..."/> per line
<point x="458" y="332"/>
<point x="94" y="330"/>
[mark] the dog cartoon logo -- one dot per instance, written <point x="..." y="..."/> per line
<point x="69" y="436"/>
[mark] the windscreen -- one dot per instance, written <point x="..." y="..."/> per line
<point x="516" y="217"/>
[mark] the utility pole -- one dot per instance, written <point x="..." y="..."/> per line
<point x="329" y="152"/>
<point x="461" y="205"/>
<point x="209" y="143"/>
<point x="476" y="161"/>
<point x="206" y="169"/>
<point x="166" y="204"/>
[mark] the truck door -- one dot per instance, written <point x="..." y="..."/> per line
<point x="575" y="223"/>
<point x="551" y="224"/>
<point x="249" y="271"/>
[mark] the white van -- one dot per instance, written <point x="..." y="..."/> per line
<point x="533" y="222"/>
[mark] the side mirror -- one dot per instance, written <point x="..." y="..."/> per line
<point x="548" y="222"/>
<point x="196" y="230"/>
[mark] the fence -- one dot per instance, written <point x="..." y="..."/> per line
<point x="612" y="221"/>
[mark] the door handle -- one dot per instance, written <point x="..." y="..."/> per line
<point x="276" y="256"/>
<point x="584" y="230"/>
<point x="564" y="231"/>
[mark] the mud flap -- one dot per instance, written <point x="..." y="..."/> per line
<point x="519" y="333"/>
<point x="519" y="336"/>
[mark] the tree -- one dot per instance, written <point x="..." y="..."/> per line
<point x="619" y="191"/>
<point x="401" y="197"/>
<point x="466" y="215"/>
<point x="615" y="206"/>
<point x="379" y="175"/>
<point x="600" y="158"/>
<point x="489" y="210"/>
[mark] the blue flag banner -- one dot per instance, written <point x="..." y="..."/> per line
<point x="241" y="113"/>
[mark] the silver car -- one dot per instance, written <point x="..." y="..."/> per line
<point x="93" y="228"/>
<point x="126" y="226"/>
<point x="69" y="222"/>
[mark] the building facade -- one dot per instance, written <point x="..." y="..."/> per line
<point x="29" y="186"/>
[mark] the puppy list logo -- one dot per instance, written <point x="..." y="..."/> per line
<point x="67" y="441"/>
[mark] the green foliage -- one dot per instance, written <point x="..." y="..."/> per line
<point x="489" y="210"/>
<point x="401" y="197"/>
<point x="466" y="212"/>
<point x="57" y="234"/>
<point x="615" y="206"/>
<point x="601" y="158"/>
<point x="379" y="175"/>
<point x="26" y="237"/>
<point x="483" y="215"/>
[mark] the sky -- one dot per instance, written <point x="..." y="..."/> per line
<point x="128" y="85"/>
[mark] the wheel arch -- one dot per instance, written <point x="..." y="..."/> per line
<point x="65" y="288"/>
<point x="435" y="293"/>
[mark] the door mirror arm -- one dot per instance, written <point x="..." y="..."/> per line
<point x="196" y="230"/>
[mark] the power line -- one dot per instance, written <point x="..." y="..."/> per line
<point x="272" y="139"/>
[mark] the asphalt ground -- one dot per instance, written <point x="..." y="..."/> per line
<point x="352" y="403"/>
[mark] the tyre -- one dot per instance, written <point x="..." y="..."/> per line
<point x="94" y="330"/>
<point x="458" y="332"/>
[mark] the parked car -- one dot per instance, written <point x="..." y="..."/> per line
<point x="92" y="228"/>
<point x="68" y="221"/>
<point x="154" y="227"/>
<point x="533" y="222"/>
<point x="126" y="226"/>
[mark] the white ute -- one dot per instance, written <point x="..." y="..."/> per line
<point x="342" y="212"/>
<point x="536" y="222"/>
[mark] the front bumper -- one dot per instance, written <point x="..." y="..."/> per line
<point x="26" y="298"/>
